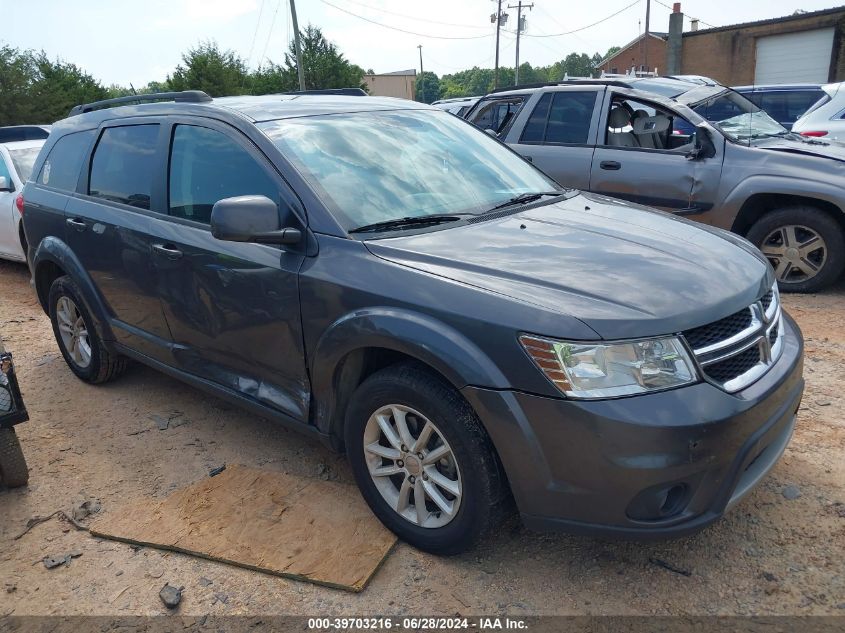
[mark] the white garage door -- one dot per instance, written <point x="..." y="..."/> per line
<point x="794" y="58"/>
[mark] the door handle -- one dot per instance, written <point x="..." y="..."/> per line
<point x="610" y="164"/>
<point x="168" y="250"/>
<point x="76" y="223"/>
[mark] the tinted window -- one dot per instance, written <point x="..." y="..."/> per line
<point x="786" y="107"/>
<point x="123" y="165"/>
<point x="23" y="133"/>
<point x="569" y="117"/>
<point x="207" y="166"/>
<point x="4" y="172"/>
<point x="61" y="169"/>
<point x="498" y="115"/>
<point x="536" y="126"/>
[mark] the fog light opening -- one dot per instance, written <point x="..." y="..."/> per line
<point x="674" y="501"/>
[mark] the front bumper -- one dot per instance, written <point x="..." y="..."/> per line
<point x="654" y="466"/>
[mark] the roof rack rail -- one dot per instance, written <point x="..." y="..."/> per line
<point x="570" y="82"/>
<point x="185" y="96"/>
<point x="349" y="92"/>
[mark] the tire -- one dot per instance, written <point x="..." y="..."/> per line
<point x="13" y="469"/>
<point x="471" y="467"/>
<point x="825" y="257"/>
<point x="94" y="363"/>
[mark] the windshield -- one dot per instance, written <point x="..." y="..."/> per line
<point x="738" y="117"/>
<point x="370" y="167"/>
<point x="23" y="160"/>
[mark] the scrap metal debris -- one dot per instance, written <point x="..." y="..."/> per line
<point x="669" y="566"/>
<point x="84" y="509"/>
<point x="217" y="470"/>
<point x="51" y="562"/>
<point x="171" y="596"/>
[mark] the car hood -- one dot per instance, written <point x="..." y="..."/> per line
<point x="833" y="151"/>
<point x="624" y="270"/>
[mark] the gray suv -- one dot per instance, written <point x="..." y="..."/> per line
<point x="701" y="151"/>
<point x="386" y="277"/>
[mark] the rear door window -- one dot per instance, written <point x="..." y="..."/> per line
<point x="64" y="162"/>
<point x="561" y="118"/>
<point x="207" y="166"/>
<point x="123" y="165"/>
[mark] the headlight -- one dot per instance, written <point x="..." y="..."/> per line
<point x="607" y="370"/>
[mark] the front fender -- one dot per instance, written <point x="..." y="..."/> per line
<point x="53" y="252"/>
<point x="419" y="336"/>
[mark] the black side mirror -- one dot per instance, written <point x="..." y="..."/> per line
<point x="703" y="147"/>
<point x="250" y="219"/>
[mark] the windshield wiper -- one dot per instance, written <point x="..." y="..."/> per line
<point x="408" y="222"/>
<point x="524" y="198"/>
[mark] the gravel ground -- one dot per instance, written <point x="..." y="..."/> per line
<point x="779" y="552"/>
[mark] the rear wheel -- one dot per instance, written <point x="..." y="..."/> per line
<point x="13" y="469"/>
<point x="422" y="461"/>
<point x="804" y="245"/>
<point x="78" y="337"/>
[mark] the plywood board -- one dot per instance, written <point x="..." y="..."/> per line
<point x="306" y="529"/>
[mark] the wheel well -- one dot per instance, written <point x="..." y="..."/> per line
<point x="758" y="205"/>
<point x="46" y="273"/>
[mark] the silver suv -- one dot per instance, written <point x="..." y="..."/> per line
<point x="700" y="151"/>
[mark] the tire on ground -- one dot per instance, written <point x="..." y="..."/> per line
<point x="13" y="469"/>
<point x="105" y="364"/>
<point x="822" y="223"/>
<point x="485" y="498"/>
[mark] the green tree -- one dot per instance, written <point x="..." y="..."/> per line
<point x="208" y="68"/>
<point x="324" y="66"/>
<point x="428" y="87"/>
<point x="18" y="72"/>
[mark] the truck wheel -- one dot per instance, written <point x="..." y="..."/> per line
<point x="13" y="470"/>
<point x="804" y="245"/>
<point x="77" y="335"/>
<point x="422" y="461"/>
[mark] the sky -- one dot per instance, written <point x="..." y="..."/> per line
<point x="137" y="41"/>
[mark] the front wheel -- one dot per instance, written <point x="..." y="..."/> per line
<point x="13" y="469"/>
<point x="804" y="245"/>
<point x="422" y="461"/>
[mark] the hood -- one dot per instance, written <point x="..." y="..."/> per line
<point x="625" y="270"/>
<point x="834" y="151"/>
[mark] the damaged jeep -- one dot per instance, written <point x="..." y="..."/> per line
<point x="700" y="151"/>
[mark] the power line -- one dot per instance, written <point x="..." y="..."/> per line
<point x="416" y="19"/>
<point x="396" y="28"/>
<point x="686" y="16"/>
<point x="255" y="35"/>
<point x="589" y="26"/>
<point x="270" y="32"/>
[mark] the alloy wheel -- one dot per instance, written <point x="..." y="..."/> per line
<point x="412" y="466"/>
<point x="73" y="331"/>
<point x="796" y="252"/>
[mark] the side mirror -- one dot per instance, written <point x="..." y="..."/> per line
<point x="5" y="185"/>
<point x="703" y="147"/>
<point x="250" y="219"/>
<point x="491" y="132"/>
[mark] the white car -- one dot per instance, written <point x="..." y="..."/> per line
<point x="458" y="106"/>
<point x="16" y="161"/>
<point x="825" y="118"/>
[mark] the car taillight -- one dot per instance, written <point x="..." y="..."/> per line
<point x="19" y="203"/>
<point x="814" y="133"/>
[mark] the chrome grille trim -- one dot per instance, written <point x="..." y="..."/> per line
<point x="765" y="331"/>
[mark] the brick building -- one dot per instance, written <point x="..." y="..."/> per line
<point x="803" y="47"/>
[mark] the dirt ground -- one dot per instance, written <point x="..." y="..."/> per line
<point x="776" y="553"/>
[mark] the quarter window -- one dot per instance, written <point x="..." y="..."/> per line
<point x="207" y="166"/>
<point x="64" y="162"/>
<point x="123" y="165"/>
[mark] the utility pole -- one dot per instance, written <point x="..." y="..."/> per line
<point x="422" y="81"/>
<point x="498" y="20"/>
<point x="647" y="16"/>
<point x="520" y="26"/>
<point x="299" y="70"/>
